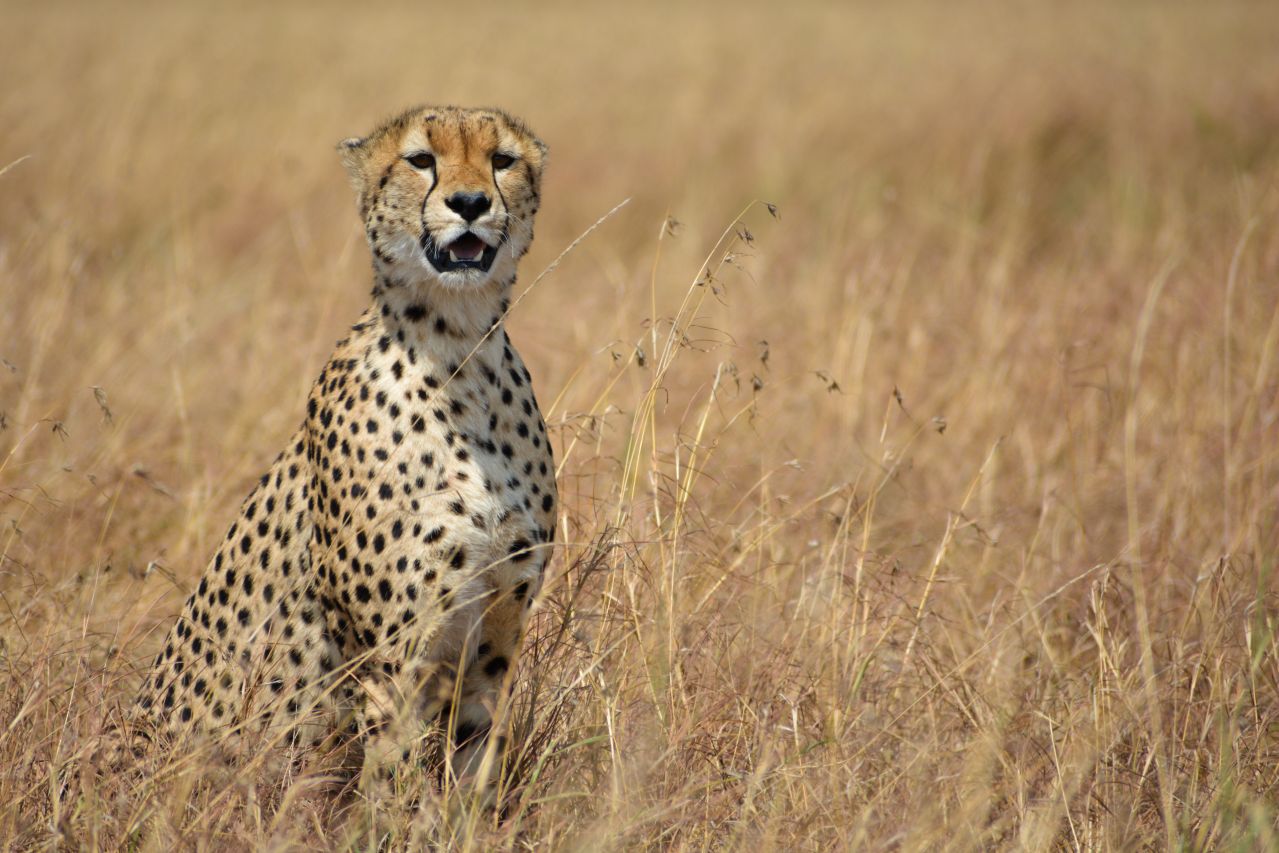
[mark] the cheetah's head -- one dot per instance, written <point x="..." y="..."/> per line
<point x="448" y="194"/>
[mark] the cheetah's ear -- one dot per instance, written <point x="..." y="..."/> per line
<point x="354" y="152"/>
<point x="537" y="157"/>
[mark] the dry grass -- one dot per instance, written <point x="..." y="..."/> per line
<point x="940" y="512"/>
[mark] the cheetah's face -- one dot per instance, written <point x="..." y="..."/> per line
<point x="448" y="194"/>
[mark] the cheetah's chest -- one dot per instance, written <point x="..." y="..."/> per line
<point x="428" y="479"/>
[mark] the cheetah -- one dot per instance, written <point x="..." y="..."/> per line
<point x="379" y="576"/>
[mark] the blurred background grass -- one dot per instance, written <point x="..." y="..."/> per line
<point x="977" y="545"/>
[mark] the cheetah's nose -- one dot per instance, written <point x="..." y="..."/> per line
<point x="469" y="206"/>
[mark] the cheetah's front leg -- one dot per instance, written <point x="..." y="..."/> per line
<point x="454" y="696"/>
<point x="478" y="715"/>
<point x="411" y="690"/>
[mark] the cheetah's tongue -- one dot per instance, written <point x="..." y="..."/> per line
<point x="468" y="247"/>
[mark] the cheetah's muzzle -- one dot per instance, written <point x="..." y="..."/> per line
<point x="467" y="252"/>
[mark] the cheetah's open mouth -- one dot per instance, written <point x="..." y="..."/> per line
<point x="467" y="252"/>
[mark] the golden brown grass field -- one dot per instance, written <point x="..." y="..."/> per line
<point x="938" y="511"/>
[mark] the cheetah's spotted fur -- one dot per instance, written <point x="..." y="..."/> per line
<point x="380" y="573"/>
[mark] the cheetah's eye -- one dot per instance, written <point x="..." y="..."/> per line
<point x="503" y="161"/>
<point x="421" y="160"/>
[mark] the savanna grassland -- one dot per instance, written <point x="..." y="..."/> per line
<point x="935" y="508"/>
